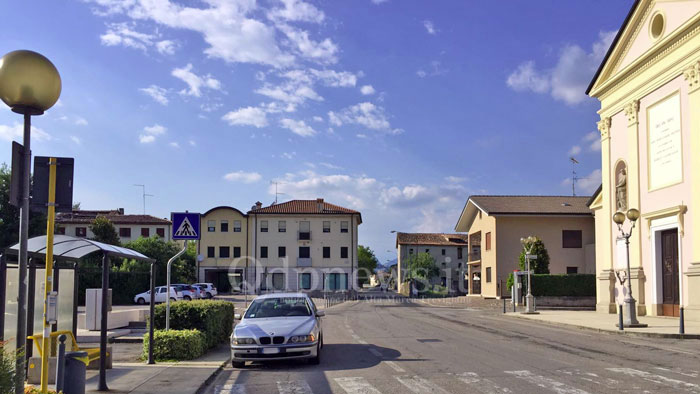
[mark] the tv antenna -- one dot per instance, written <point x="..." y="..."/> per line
<point x="143" y="188"/>
<point x="574" y="178"/>
<point x="277" y="193"/>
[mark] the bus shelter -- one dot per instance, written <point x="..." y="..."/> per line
<point x="67" y="251"/>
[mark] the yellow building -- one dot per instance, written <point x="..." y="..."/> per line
<point x="224" y="248"/>
<point x="495" y="225"/>
<point x="648" y="88"/>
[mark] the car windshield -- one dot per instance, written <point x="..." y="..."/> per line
<point x="278" y="307"/>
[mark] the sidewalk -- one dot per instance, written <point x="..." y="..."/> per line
<point x="659" y="327"/>
<point x="185" y="377"/>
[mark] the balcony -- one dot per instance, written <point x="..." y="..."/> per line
<point x="303" y="261"/>
<point x="304" y="235"/>
<point x="474" y="256"/>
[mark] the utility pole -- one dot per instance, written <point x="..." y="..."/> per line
<point x="573" y="175"/>
<point x="143" y="188"/>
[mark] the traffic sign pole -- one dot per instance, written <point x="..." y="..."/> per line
<point x="167" y="289"/>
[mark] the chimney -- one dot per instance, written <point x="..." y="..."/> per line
<point x="319" y="204"/>
<point x="257" y="205"/>
<point x="120" y="210"/>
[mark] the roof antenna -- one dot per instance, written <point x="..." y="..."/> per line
<point x="276" y="192"/>
<point x="574" y="178"/>
<point x="143" y="187"/>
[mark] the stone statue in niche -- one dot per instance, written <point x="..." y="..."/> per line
<point x="621" y="188"/>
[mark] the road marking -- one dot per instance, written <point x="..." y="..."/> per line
<point x="546" y="383"/>
<point x="650" y="377"/>
<point x="356" y="386"/>
<point x="420" y="385"/>
<point x="591" y="377"/>
<point x="395" y="366"/>
<point x="230" y="389"/>
<point x="691" y="374"/>
<point x="363" y="342"/>
<point x="294" y="387"/>
<point x="485" y="386"/>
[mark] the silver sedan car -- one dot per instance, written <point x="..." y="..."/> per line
<point x="278" y="327"/>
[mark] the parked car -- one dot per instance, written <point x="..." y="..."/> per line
<point x="209" y="289"/>
<point x="188" y="292"/>
<point x="278" y="326"/>
<point x="201" y="294"/>
<point x="161" y="295"/>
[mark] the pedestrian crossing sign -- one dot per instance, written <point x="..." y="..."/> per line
<point x="185" y="225"/>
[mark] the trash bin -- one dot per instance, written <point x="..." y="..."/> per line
<point x="74" y="373"/>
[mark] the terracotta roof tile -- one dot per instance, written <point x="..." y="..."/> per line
<point x="116" y="217"/>
<point x="432" y="239"/>
<point x="312" y="207"/>
<point x="533" y="205"/>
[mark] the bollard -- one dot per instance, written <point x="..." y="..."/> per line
<point x="681" y="328"/>
<point x="60" y="362"/>
<point x="620" y="325"/>
<point x="513" y="306"/>
<point x="504" y="305"/>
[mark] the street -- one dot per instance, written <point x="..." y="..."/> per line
<point x="392" y="346"/>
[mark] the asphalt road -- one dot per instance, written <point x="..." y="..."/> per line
<point x="374" y="347"/>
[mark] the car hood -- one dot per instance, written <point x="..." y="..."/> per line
<point x="283" y="326"/>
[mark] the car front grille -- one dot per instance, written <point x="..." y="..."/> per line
<point x="268" y="340"/>
<point x="278" y="340"/>
<point x="265" y="340"/>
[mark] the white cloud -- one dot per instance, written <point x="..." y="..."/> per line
<point x="364" y="114"/>
<point x="151" y="133"/>
<point x="429" y="27"/>
<point x="367" y="90"/>
<point x="297" y="85"/>
<point x="379" y="1"/>
<point x="455" y="179"/>
<point x="80" y="121"/>
<point x="586" y="185"/>
<point x="324" y="51"/>
<point x="435" y="69"/>
<point x="16" y="132"/>
<point x="174" y="145"/>
<point x="575" y="150"/>
<point x="194" y="81"/>
<point x="298" y="127"/>
<point x="248" y="116"/>
<point x="330" y="166"/>
<point x="288" y="155"/>
<point x="157" y="93"/>
<point x="242" y="176"/>
<point x="568" y="79"/>
<point x="297" y="11"/>
<point x="166" y="47"/>
<point x="318" y="119"/>
<point x="421" y="73"/>
<point x="122" y="34"/>
<point x="593" y="138"/>
<point x="192" y="142"/>
<point x="76" y="140"/>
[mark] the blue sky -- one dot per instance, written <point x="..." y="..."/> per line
<point x="397" y="108"/>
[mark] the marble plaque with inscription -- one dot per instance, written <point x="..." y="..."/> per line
<point x="665" y="152"/>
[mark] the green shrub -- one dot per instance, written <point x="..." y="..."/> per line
<point x="213" y="318"/>
<point x="7" y="370"/>
<point x="176" y="344"/>
<point x="582" y="285"/>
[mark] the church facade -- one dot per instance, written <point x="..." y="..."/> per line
<point x="649" y="90"/>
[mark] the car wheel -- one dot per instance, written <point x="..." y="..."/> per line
<point x="173" y="299"/>
<point x="238" y="364"/>
<point x="316" y="360"/>
<point x="188" y="298"/>
<point x="209" y="295"/>
<point x="141" y="301"/>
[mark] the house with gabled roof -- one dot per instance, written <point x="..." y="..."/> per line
<point x="494" y="226"/>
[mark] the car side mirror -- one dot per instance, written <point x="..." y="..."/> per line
<point x="320" y="313"/>
<point x="236" y="316"/>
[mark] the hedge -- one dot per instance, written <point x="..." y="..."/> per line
<point x="128" y="283"/>
<point x="581" y="285"/>
<point x="176" y="344"/>
<point x="213" y="318"/>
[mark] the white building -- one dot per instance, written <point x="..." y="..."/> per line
<point x="303" y="245"/>
<point x="448" y="250"/>
<point x="129" y="227"/>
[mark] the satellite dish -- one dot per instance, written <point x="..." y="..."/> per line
<point x="200" y="257"/>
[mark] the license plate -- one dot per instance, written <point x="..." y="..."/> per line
<point x="270" y="350"/>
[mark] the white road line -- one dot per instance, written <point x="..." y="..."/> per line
<point x="395" y="366"/>
<point x="420" y="385"/>
<point x="650" y="377"/>
<point x="591" y="377"/>
<point x="363" y="342"/>
<point x="375" y="352"/>
<point x="294" y="387"/>
<point x="230" y="389"/>
<point x="546" y="383"/>
<point x="485" y="386"/>
<point x="356" y="386"/>
<point x="692" y="374"/>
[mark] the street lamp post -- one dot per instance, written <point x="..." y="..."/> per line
<point x="630" y="313"/>
<point x="29" y="85"/>
<point x="529" y="298"/>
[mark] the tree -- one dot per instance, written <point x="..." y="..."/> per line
<point x="183" y="269"/>
<point x="541" y="264"/>
<point x="421" y="265"/>
<point x="9" y="214"/>
<point x="366" y="264"/>
<point x="104" y="231"/>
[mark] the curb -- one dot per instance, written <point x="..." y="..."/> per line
<point x="205" y="384"/>
<point x="617" y="332"/>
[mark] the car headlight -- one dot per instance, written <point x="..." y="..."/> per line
<point x="302" y="338"/>
<point x="242" y="341"/>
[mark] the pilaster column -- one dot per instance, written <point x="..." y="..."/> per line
<point x="604" y="264"/>
<point x="691" y="286"/>
<point x="633" y="196"/>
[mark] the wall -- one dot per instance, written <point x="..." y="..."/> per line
<point x="218" y="238"/>
<point x="451" y="267"/>
<point x="135" y="230"/>
<point x="484" y="223"/>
